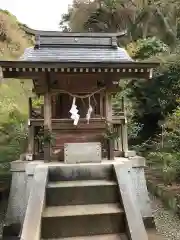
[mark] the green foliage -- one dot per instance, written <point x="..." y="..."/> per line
<point x="169" y="175"/>
<point x="13" y="119"/>
<point x="13" y="93"/>
<point x="110" y="134"/>
<point x="168" y="165"/>
<point x="166" y="156"/>
<point x="45" y="138"/>
<point x="13" y="138"/>
<point x="38" y="102"/>
<point x="141" y="19"/>
<point x="145" y="48"/>
<point x="154" y="100"/>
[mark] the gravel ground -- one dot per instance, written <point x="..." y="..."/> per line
<point x="167" y="223"/>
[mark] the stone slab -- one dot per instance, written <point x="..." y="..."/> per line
<point x="129" y="200"/>
<point x="17" y="199"/>
<point x="18" y="166"/>
<point x="73" y="172"/>
<point x="97" y="237"/>
<point x="31" y="166"/>
<point x="140" y="187"/>
<point x="138" y="161"/>
<point x="82" y="152"/>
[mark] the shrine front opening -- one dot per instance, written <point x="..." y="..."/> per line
<point x="94" y="116"/>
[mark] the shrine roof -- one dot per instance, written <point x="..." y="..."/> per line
<point x="77" y="54"/>
<point x="76" y="47"/>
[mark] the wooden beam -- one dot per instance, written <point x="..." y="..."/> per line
<point x="47" y="121"/>
<point x="23" y="75"/>
<point x="67" y="124"/>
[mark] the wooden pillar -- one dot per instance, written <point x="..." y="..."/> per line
<point x="109" y="120"/>
<point x="124" y="132"/>
<point x="124" y="139"/>
<point x="101" y="104"/>
<point x="120" y="148"/>
<point x="31" y="140"/>
<point x="30" y="132"/>
<point x="30" y="108"/>
<point x="47" y="121"/>
<point x="53" y="106"/>
<point x="109" y="107"/>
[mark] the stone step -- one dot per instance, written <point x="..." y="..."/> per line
<point x="73" y="172"/>
<point x="97" y="237"/>
<point x="154" y="235"/>
<point x="81" y="192"/>
<point x="82" y="220"/>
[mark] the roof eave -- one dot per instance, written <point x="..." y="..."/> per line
<point x="54" y="64"/>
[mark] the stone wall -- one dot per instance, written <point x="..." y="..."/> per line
<point x="22" y="175"/>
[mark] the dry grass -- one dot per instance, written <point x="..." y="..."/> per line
<point x="13" y="39"/>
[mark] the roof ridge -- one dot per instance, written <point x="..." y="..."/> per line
<point x="71" y="41"/>
<point x="46" y="33"/>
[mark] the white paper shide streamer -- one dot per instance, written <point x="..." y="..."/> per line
<point x="74" y="112"/>
<point x="1" y="75"/>
<point x="90" y="110"/>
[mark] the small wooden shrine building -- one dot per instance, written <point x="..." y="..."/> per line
<point x="78" y="72"/>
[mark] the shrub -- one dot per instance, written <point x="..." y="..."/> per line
<point x="145" y="48"/>
<point x="168" y="165"/>
<point x="169" y="175"/>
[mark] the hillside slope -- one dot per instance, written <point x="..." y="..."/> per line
<point x="13" y="92"/>
<point x="13" y="41"/>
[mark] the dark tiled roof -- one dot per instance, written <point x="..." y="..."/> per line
<point x="76" y="47"/>
<point x="76" y="54"/>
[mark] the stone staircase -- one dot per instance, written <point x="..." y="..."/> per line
<point x="84" y="206"/>
<point x="81" y="202"/>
